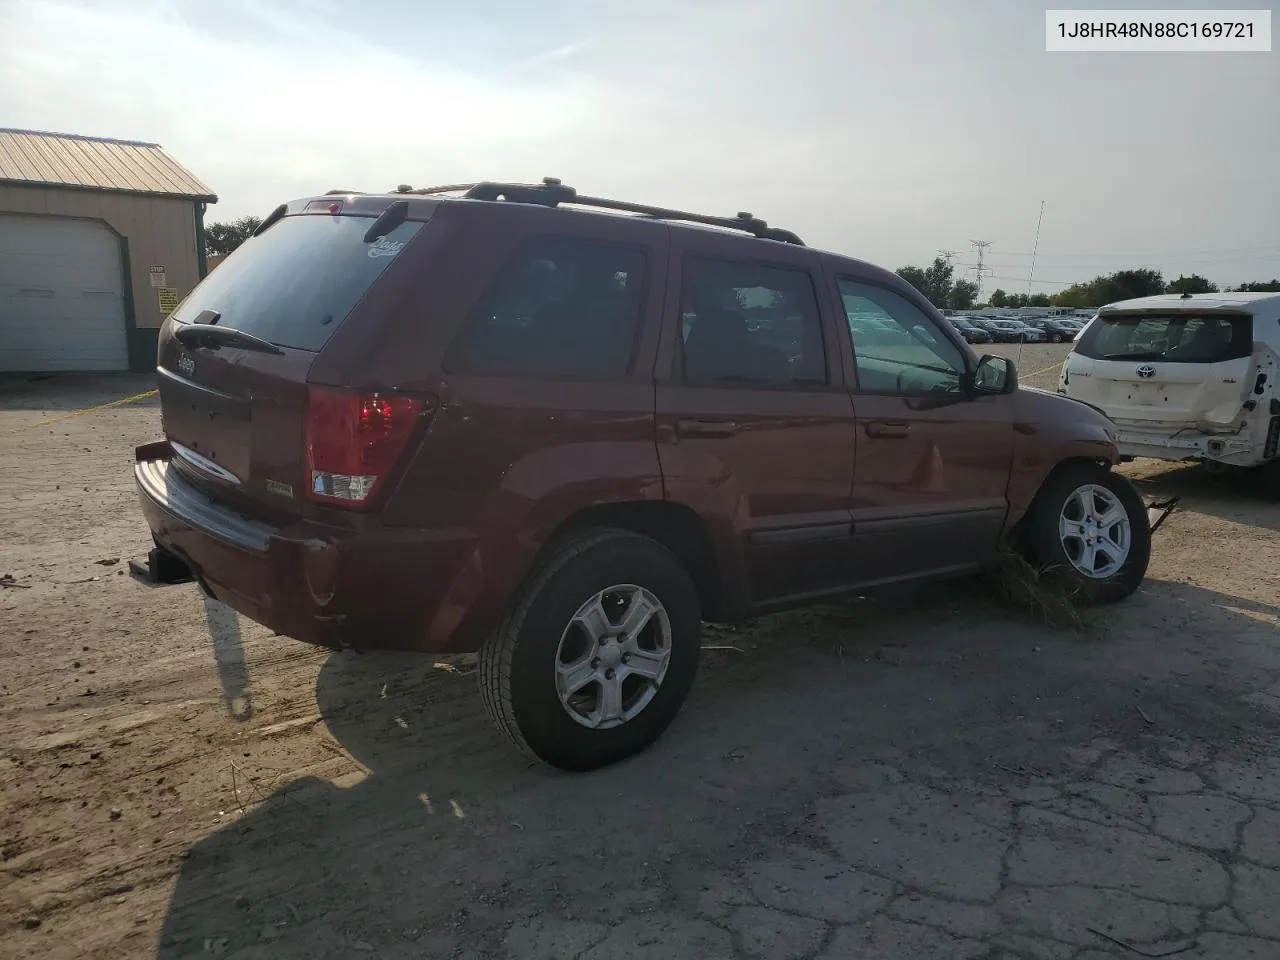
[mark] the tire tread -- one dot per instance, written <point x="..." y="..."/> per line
<point x="494" y="662"/>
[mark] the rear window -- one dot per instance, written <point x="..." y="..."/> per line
<point x="296" y="283"/>
<point x="1173" y="338"/>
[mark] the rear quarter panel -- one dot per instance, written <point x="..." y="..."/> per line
<point x="504" y="461"/>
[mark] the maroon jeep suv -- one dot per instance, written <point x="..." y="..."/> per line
<point x="564" y="430"/>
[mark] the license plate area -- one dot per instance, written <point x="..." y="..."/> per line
<point x="213" y="425"/>
<point x="1145" y="394"/>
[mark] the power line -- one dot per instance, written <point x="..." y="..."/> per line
<point x="1146" y="256"/>
<point x="1104" y="264"/>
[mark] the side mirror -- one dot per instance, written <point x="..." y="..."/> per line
<point x="994" y="375"/>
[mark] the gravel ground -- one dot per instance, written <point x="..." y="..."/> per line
<point x="930" y="774"/>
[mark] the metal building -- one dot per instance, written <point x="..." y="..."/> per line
<point x="99" y="240"/>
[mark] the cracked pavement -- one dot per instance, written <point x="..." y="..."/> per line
<point x="916" y="776"/>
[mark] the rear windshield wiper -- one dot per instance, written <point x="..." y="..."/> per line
<point x="1133" y="356"/>
<point x="209" y="335"/>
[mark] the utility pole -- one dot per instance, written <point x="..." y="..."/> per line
<point x="979" y="269"/>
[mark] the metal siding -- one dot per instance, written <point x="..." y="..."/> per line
<point x="159" y="231"/>
<point x="32" y="157"/>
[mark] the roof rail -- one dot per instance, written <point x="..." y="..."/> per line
<point x="552" y="192"/>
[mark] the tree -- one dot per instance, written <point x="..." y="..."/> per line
<point x="937" y="278"/>
<point x="934" y="281"/>
<point x="1015" y="300"/>
<point x="1260" y="286"/>
<point x="1130" y="284"/>
<point x="1121" y="285"/>
<point x="913" y="276"/>
<point x="1038" y="300"/>
<point x="997" y="298"/>
<point x="963" y="294"/>
<point x="222" y="238"/>
<point x="1192" y="284"/>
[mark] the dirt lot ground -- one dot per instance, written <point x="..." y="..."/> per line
<point x="919" y="776"/>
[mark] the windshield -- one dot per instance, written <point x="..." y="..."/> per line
<point x="296" y="283"/>
<point x="1173" y="338"/>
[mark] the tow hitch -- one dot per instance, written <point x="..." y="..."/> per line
<point x="1159" y="511"/>
<point x="161" y="568"/>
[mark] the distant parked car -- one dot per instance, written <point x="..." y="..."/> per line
<point x="1055" y="330"/>
<point x="970" y="331"/>
<point x="1023" y="332"/>
<point x="1002" y="331"/>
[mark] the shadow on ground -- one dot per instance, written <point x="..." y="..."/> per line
<point x="1241" y="496"/>
<point x="454" y="845"/>
<point x="228" y="655"/>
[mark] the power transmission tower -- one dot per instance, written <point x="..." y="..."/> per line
<point x="979" y="270"/>
<point x="948" y="255"/>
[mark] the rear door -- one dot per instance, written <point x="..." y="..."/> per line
<point x="933" y="462"/>
<point x="1171" y="369"/>
<point x="234" y="410"/>
<point x="755" y="428"/>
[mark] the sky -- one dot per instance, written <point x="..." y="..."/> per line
<point x="885" y="130"/>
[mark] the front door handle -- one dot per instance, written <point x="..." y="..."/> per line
<point x="706" y="428"/>
<point x="886" y="430"/>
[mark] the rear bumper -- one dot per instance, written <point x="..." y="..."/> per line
<point x="1241" y="450"/>
<point x="334" y="587"/>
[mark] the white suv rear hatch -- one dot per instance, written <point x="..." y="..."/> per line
<point x="1193" y="373"/>
<point x="1184" y="367"/>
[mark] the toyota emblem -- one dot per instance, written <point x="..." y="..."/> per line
<point x="1146" y="371"/>
<point x="187" y="364"/>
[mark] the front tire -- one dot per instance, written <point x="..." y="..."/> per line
<point x="1090" y="525"/>
<point x="598" y="652"/>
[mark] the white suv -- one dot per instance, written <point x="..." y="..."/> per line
<point x="1190" y="377"/>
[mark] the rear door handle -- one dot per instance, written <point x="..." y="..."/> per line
<point x="706" y="428"/>
<point x="884" y="430"/>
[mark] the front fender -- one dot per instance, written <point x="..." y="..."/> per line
<point x="1048" y="430"/>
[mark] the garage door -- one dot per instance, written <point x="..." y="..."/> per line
<point x="61" y="295"/>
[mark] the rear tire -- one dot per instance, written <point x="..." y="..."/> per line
<point x="1115" y="543"/>
<point x="525" y="678"/>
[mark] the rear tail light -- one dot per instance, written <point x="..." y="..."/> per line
<point x="354" y="440"/>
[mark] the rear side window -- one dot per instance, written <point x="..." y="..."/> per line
<point x="559" y="308"/>
<point x="1173" y="338"/>
<point x="296" y="283"/>
<point x="750" y="324"/>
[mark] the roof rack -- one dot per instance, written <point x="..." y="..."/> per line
<point x="552" y="192"/>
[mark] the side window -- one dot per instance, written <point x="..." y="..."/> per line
<point x="750" y="324"/>
<point x="897" y="349"/>
<point x="559" y="308"/>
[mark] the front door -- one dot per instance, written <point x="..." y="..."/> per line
<point x="930" y="483"/>
<point x="755" y="427"/>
